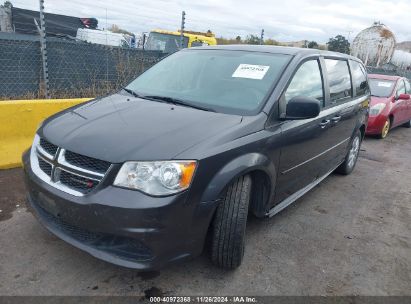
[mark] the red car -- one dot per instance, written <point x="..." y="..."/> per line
<point x="390" y="104"/>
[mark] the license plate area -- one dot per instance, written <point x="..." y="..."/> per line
<point x="48" y="204"/>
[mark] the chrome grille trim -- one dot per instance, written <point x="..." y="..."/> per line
<point x="44" y="152"/>
<point x="59" y="164"/>
<point x="62" y="160"/>
<point x="45" y="146"/>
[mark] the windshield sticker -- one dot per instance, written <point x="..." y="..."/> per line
<point x="384" y="84"/>
<point x="251" y="71"/>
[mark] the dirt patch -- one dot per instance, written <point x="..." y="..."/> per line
<point x="153" y="292"/>
<point x="12" y="192"/>
<point x="148" y="275"/>
<point x="372" y="157"/>
<point x="320" y="210"/>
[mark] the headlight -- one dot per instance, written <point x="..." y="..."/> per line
<point x="158" y="177"/>
<point x="377" y="109"/>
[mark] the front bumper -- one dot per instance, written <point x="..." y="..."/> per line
<point x="122" y="226"/>
<point x="375" y="124"/>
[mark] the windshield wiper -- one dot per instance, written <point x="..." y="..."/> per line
<point x="172" y="100"/>
<point x="131" y="92"/>
<point x="177" y="101"/>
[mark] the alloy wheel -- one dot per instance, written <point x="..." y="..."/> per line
<point x="385" y="129"/>
<point x="353" y="154"/>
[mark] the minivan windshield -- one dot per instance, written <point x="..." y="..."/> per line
<point x="233" y="82"/>
<point x="381" y="87"/>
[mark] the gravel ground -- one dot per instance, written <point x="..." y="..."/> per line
<point x="351" y="235"/>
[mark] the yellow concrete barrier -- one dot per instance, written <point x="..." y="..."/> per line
<point x="19" y="120"/>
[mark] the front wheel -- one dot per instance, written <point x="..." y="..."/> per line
<point x="385" y="129"/>
<point x="352" y="155"/>
<point x="228" y="234"/>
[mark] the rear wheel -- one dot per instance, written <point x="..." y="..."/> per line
<point x="407" y="124"/>
<point x="352" y="155"/>
<point x="385" y="129"/>
<point x="228" y="231"/>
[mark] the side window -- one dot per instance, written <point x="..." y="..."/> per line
<point x="359" y="79"/>
<point x="339" y="80"/>
<point x="408" y="87"/>
<point x="307" y="81"/>
<point x="400" y="88"/>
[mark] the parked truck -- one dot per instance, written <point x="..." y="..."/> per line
<point x="104" y="37"/>
<point x="169" y="41"/>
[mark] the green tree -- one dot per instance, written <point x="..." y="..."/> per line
<point x="7" y="4"/>
<point x="238" y="39"/>
<point x="252" y="39"/>
<point x="313" y="45"/>
<point x="339" y="44"/>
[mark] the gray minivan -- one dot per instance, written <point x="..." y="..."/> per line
<point x="189" y="148"/>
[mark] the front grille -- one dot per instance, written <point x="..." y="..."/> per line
<point x="123" y="247"/>
<point x="79" y="183"/>
<point x="45" y="166"/>
<point x="68" y="171"/>
<point x="48" y="147"/>
<point x="86" y="162"/>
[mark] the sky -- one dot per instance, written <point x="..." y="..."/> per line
<point x="285" y="20"/>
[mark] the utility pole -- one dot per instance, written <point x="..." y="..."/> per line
<point x="183" y="23"/>
<point x="144" y="40"/>
<point x="262" y="37"/>
<point x="43" y="45"/>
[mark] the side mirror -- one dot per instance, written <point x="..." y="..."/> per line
<point x="404" y="96"/>
<point x="301" y="107"/>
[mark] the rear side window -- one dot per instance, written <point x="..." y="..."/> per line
<point x="307" y="81"/>
<point x="339" y="80"/>
<point x="400" y="88"/>
<point x="359" y="79"/>
<point x="408" y="87"/>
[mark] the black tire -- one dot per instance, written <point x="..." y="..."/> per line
<point x="228" y="230"/>
<point x="349" y="163"/>
<point x="407" y="124"/>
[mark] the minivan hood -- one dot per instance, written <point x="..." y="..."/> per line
<point x="118" y="128"/>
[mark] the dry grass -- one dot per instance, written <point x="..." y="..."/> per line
<point x="127" y="69"/>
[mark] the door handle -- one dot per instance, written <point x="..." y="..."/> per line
<point x="324" y="123"/>
<point x="336" y="118"/>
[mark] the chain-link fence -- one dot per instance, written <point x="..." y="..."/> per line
<point x="20" y="66"/>
<point x="75" y="68"/>
<point x="390" y="70"/>
<point x="80" y="69"/>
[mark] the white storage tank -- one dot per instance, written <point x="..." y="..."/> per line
<point x="374" y="45"/>
<point x="401" y="59"/>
